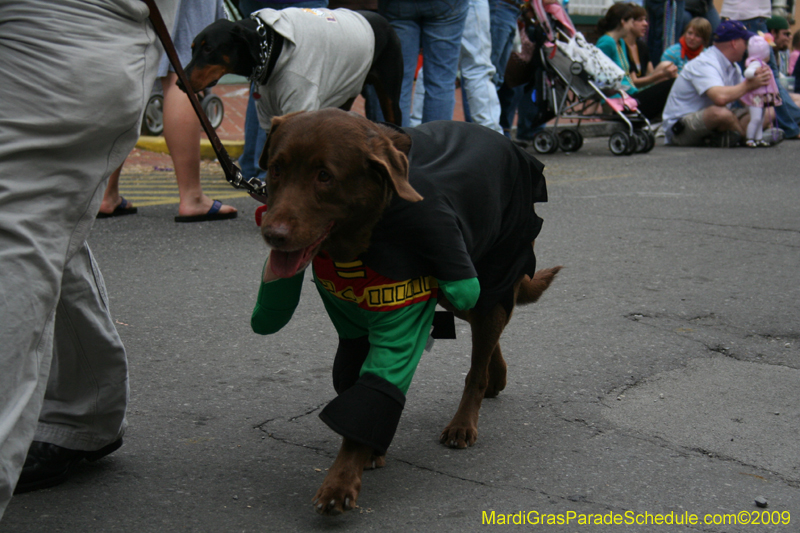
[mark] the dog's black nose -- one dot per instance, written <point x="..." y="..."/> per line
<point x="276" y="236"/>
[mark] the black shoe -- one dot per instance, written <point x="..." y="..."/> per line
<point x="724" y="139"/>
<point x="48" y="465"/>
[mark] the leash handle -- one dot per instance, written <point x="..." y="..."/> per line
<point x="232" y="173"/>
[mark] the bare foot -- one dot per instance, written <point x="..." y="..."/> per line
<point x="190" y="208"/>
<point x="110" y="203"/>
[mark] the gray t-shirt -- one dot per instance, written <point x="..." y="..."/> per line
<point x="325" y="59"/>
<point x="710" y="69"/>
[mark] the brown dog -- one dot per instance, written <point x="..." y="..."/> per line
<point x="395" y="221"/>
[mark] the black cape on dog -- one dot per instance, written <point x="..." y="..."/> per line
<point x="477" y="216"/>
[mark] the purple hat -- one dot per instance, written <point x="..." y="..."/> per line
<point x="728" y="30"/>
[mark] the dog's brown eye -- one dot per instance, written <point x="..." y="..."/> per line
<point x="323" y="176"/>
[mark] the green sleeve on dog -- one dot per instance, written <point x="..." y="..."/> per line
<point x="276" y="303"/>
<point x="463" y="294"/>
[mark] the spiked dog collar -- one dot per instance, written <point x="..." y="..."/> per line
<point x="267" y="40"/>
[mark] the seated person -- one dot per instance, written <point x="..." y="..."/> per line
<point x="698" y="111"/>
<point x="694" y="40"/>
<point x="778" y="27"/>
<point x="650" y="90"/>
<point x="794" y="53"/>
<point x="781" y="37"/>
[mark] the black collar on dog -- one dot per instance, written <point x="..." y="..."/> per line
<point x="271" y="44"/>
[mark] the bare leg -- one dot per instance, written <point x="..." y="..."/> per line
<point x="111" y="197"/>
<point x="755" y="128"/>
<point x="182" y="133"/>
<point x="719" y="118"/>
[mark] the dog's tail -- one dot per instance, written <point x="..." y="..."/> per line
<point x="532" y="288"/>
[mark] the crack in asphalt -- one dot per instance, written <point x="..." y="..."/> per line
<point x="712" y="347"/>
<point x="690" y="452"/>
<point x="574" y="498"/>
<point x="290" y="419"/>
<point x="704" y="223"/>
<point x="313" y="409"/>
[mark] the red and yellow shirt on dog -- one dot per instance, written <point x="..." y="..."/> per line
<point x="396" y="315"/>
<point x="357" y="283"/>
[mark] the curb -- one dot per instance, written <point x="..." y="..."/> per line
<point x="159" y="145"/>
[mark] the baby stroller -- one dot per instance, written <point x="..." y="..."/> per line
<point x="575" y="81"/>
<point x="153" y="119"/>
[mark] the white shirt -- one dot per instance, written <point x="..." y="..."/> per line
<point x="746" y="9"/>
<point x="324" y="62"/>
<point x="688" y="94"/>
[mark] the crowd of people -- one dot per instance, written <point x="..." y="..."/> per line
<point x="698" y="87"/>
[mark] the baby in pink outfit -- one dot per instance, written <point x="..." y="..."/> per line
<point x="763" y="97"/>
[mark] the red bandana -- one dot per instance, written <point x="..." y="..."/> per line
<point x="689" y="54"/>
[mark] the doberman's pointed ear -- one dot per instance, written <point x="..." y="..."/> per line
<point x="249" y="39"/>
<point x="392" y="165"/>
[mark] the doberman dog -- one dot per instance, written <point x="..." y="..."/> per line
<point x="395" y="221"/>
<point x="266" y="52"/>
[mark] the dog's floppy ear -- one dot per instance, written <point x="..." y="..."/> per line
<point x="263" y="160"/>
<point x="392" y="164"/>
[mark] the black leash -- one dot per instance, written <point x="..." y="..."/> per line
<point x="232" y="172"/>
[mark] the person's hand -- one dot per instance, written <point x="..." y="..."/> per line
<point x="667" y="70"/>
<point x="671" y="71"/>
<point x="763" y="76"/>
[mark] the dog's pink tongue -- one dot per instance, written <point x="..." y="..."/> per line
<point x="286" y="264"/>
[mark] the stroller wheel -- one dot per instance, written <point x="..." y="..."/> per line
<point x="651" y="141"/>
<point x="153" y="123"/>
<point x="640" y="141"/>
<point x="215" y="111"/>
<point x="570" y="140"/>
<point x="645" y="141"/>
<point x="620" y="143"/>
<point x="545" y="142"/>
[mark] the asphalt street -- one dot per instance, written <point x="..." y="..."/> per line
<point x="657" y="380"/>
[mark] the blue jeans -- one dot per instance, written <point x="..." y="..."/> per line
<point x="477" y="70"/>
<point x="712" y="16"/>
<point x="255" y="137"/>
<point x="504" y="27"/>
<point x="481" y="105"/>
<point x="436" y="26"/>
<point x="656" y="15"/>
<point x="519" y="100"/>
<point x="503" y="17"/>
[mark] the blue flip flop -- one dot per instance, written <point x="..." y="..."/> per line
<point x="213" y="214"/>
<point x="124" y="208"/>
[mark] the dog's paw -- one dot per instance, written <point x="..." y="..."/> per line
<point x="376" y="461"/>
<point x="337" y="495"/>
<point x="459" y="436"/>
